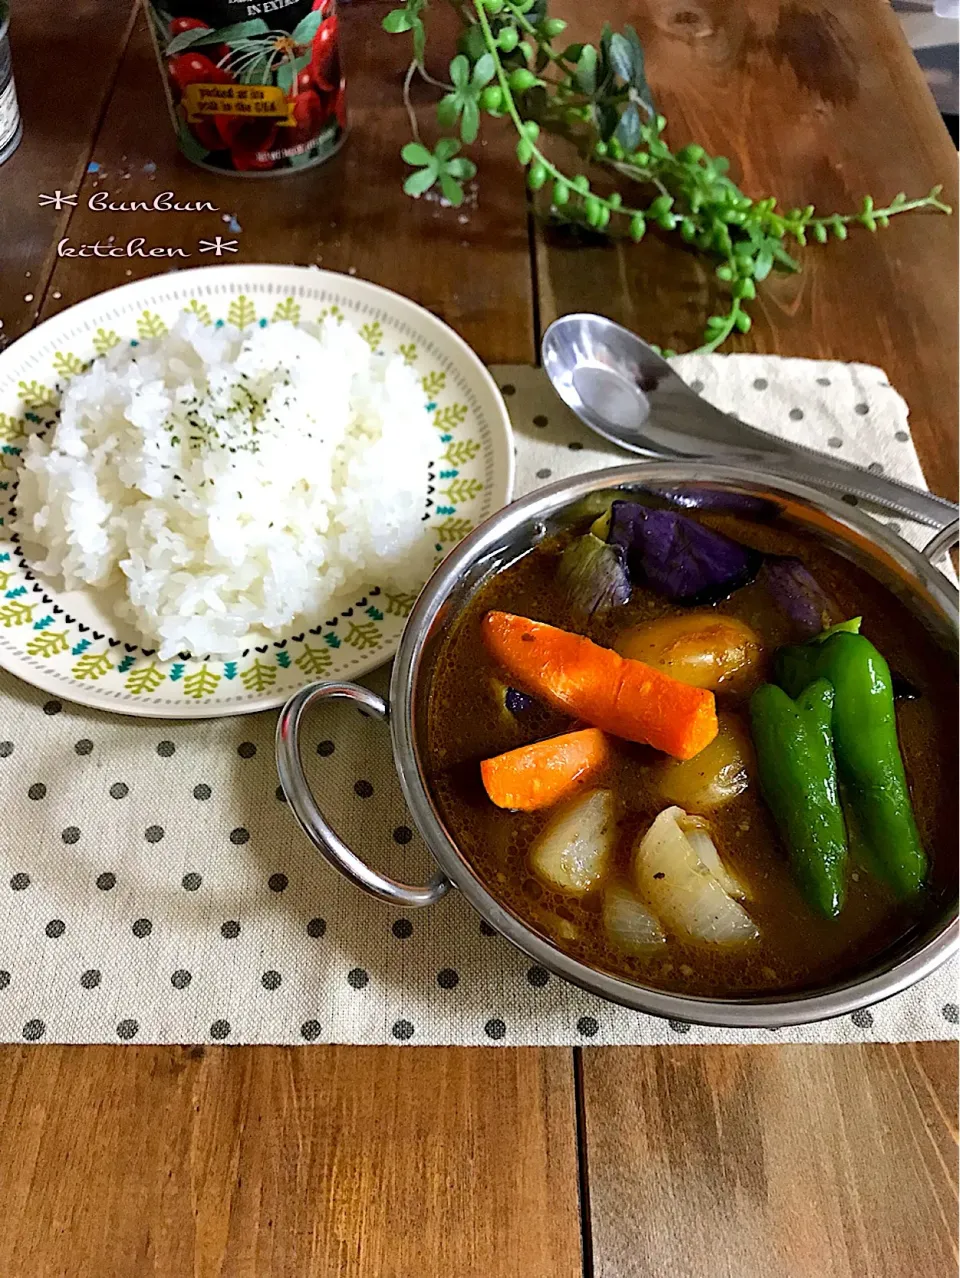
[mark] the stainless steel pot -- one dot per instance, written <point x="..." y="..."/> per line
<point x="908" y="572"/>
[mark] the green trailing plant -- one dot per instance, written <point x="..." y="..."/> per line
<point x="597" y="98"/>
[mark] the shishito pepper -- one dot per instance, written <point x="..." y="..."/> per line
<point x="867" y="751"/>
<point x="798" y="778"/>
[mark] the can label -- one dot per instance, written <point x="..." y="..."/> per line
<point x="253" y="87"/>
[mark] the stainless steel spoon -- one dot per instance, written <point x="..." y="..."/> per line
<point x="622" y="389"/>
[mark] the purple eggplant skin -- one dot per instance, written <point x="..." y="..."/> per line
<point x="518" y="702"/>
<point x="798" y="594"/>
<point x="679" y="558"/>
<point x="718" y="501"/>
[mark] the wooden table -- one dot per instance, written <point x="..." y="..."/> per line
<point x="680" y="1162"/>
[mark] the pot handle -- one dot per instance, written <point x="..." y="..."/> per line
<point x="944" y="541"/>
<point x="312" y="821"/>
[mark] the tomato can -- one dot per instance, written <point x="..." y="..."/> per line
<point x="11" y="126"/>
<point x="254" y="88"/>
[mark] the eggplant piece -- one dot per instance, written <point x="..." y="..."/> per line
<point x="797" y="594"/>
<point x="593" y="577"/>
<point x="679" y="558"/>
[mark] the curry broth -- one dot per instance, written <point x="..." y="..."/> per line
<point x="467" y="723"/>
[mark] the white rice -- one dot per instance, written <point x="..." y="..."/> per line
<point x="232" y="482"/>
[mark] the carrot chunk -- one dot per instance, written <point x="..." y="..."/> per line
<point x="539" y="775"/>
<point x="624" y="697"/>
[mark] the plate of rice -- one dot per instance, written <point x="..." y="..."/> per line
<point x="222" y="484"/>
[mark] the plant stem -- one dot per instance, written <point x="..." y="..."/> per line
<point x="411" y="114"/>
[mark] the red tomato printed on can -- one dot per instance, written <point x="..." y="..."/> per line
<point x="254" y="88"/>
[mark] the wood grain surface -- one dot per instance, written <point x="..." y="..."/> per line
<point x="380" y="1162"/>
<point x="682" y="1162"/>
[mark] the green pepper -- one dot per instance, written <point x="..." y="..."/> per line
<point x="867" y="751"/>
<point x="798" y="778"/>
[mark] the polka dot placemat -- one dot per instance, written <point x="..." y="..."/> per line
<point x="154" y="886"/>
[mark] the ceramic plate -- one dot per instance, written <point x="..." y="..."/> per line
<point x="68" y="644"/>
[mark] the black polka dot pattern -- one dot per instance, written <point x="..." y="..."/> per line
<point x="863" y="1019"/>
<point x="55" y="929"/>
<point x="495" y="1029"/>
<point x="6" y="749"/>
<point x="541" y="422"/>
<point x="951" y="1013"/>
<point x="239" y="835"/>
<point x="106" y="881"/>
<point x="84" y="746"/>
<point x="230" y="930"/>
<point x="310" y="1030"/>
<point x="37" y="791"/>
<point x="362" y="789"/>
<point x="402" y="1030"/>
<point x="796" y="414"/>
<point x="4" y="978"/>
<point x="219" y="1029"/>
<point x="180" y="979"/>
<point x="20" y="882"/>
<point x="127" y="1029"/>
<point x="901" y="436"/>
<point x="679" y="1027"/>
<point x="71" y="834"/>
<point x="142" y="928"/>
<point x="153" y="833"/>
<point x="52" y="707"/>
<point x="246" y="750"/>
<point x="486" y="929"/>
<point x="278" y="883"/>
<point x="166" y="749"/>
<point x="202" y="791"/>
<point x="119" y="790"/>
<point x="316" y="927"/>
<point x="861" y="409"/>
<point x="358" y="978"/>
<point x="325" y="749"/>
<point x="508" y="389"/>
<point x="448" y="979"/>
<point x="760" y="383"/>
<point x="544" y="473"/>
<point x="696" y="386"/>
<point x="587" y="1026"/>
<point x="271" y="980"/>
<point x="402" y="834"/>
<point x="402" y="928"/>
<point x="34" y="1030"/>
<point x="538" y="977"/>
<point x="90" y="979"/>
<point x="281" y="797"/>
<point x="190" y="882"/>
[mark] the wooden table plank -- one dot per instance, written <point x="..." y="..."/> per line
<point x="471" y="267"/>
<point x="64" y="62"/>
<point x="248" y="1163"/>
<point x="773" y="1162"/>
<point x="821" y="102"/>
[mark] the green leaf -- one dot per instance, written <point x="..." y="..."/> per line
<point x="472" y="43"/>
<point x="763" y="265"/>
<point x="628" y="129"/>
<point x="470" y="123"/>
<point x="419" y="40"/>
<point x="621" y="57"/>
<point x="586" y="72"/>
<point x="416" y="153"/>
<point x="420" y="181"/>
<point x="446" y="148"/>
<point x="783" y="259"/>
<point x="459" y="71"/>
<point x="186" y="40"/>
<point x="448" y="109"/>
<point x="462" y="168"/>
<point x="285" y="77"/>
<point x="451" y="189"/>
<point x="397" y="20"/>
<point x="484" y="71"/>
<point x="307" y="27"/>
<point x="572" y="53"/>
